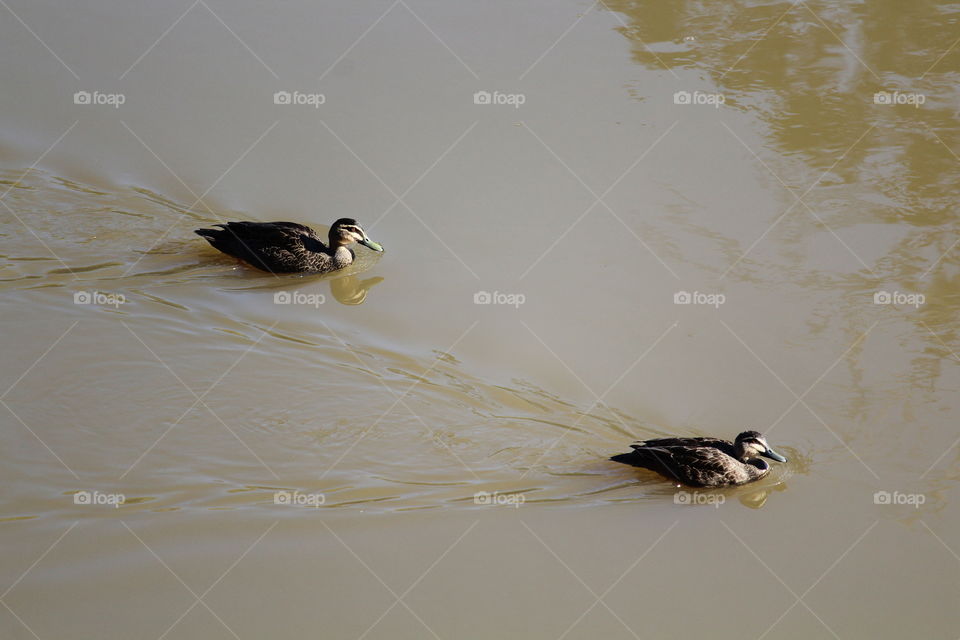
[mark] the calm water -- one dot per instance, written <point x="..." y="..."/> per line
<point x="788" y="169"/>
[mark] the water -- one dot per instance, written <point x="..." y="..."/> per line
<point x="294" y="468"/>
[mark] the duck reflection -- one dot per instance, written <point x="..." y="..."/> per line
<point x="348" y="289"/>
<point x="351" y="289"/>
<point x="756" y="498"/>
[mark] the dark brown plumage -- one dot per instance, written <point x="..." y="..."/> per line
<point x="704" y="462"/>
<point x="288" y="247"/>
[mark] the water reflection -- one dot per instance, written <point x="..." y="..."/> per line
<point x="754" y="495"/>
<point x="305" y="290"/>
<point x="810" y="73"/>
<point x="877" y="178"/>
<point x="755" y="499"/>
<point x="352" y="290"/>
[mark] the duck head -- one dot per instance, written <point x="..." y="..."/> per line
<point x="751" y="444"/>
<point x="346" y="231"/>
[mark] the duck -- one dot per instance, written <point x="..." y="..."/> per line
<point x="704" y="462"/>
<point x="289" y="247"/>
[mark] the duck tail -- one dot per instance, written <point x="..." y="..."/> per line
<point x="210" y="235"/>
<point x="625" y="458"/>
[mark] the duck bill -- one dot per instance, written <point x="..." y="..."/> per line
<point x="773" y="455"/>
<point x="370" y="244"/>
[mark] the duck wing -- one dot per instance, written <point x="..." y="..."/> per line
<point x="706" y="467"/>
<point x="693" y="443"/>
<point x="697" y="466"/>
<point x="290" y="229"/>
<point x="271" y="246"/>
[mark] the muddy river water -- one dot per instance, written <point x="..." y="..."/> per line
<point x="601" y="222"/>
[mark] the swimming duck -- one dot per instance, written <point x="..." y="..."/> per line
<point x="704" y="462"/>
<point x="288" y="247"/>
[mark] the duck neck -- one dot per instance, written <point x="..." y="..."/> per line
<point x="342" y="256"/>
<point x="760" y="464"/>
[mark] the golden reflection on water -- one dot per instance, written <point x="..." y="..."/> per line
<point x="348" y="289"/>
<point x="351" y="289"/>
<point x="809" y="73"/>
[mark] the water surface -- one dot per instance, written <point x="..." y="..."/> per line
<point x="738" y="153"/>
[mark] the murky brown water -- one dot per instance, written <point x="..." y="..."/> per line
<point x="743" y="153"/>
